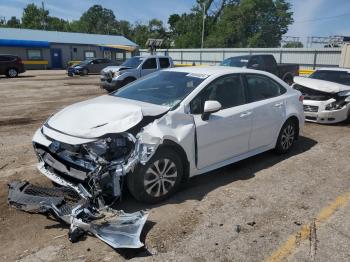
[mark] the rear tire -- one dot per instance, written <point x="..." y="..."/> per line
<point x="286" y="137"/>
<point x="12" y="72"/>
<point x="158" y="179"/>
<point x="84" y="72"/>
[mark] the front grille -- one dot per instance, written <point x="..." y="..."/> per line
<point x="308" y="108"/>
<point x="311" y="118"/>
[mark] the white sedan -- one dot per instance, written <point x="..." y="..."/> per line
<point x="326" y="95"/>
<point x="166" y="127"/>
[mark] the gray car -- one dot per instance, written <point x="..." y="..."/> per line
<point x="114" y="77"/>
<point x="90" y="66"/>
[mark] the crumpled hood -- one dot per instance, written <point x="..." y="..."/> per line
<point x="102" y="115"/>
<point x="321" y="85"/>
<point x="115" y="69"/>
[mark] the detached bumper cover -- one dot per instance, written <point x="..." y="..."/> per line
<point x="116" y="228"/>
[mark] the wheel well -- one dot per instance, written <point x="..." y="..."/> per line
<point x="130" y="77"/>
<point x="296" y="122"/>
<point x="11" y="67"/>
<point x="182" y="154"/>
<point x="287" y="76"/>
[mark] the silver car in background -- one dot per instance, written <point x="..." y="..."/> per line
<point x="114" y="77"/>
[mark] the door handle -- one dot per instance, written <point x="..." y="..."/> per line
<point x="278" y="104"/>
<point x="245" y="114"/>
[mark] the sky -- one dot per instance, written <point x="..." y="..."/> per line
<point x="312" y="17"/>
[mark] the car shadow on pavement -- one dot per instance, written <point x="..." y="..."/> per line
<point x="198" y="187"/>
<point x="20" y="76"/>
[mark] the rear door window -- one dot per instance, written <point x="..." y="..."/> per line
<point x="6" y="58"/>
<point x="164" y="62"/>
<point x="256" y="60"/>
<point x="261" y="87"/>
<point x="150" y="63"/>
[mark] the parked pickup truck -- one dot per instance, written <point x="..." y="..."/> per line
<point x="114" y="77"/>
<point x="265" y="63"/>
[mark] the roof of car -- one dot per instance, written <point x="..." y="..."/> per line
<point x="213" y="70"/>
<point x="151" y="56"/>
<point x="342" y="69"/>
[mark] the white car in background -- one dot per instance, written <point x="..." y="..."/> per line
<point x="326" y="95"/>
<point x="168" y="126"/>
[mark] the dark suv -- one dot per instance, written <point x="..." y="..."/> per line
<point x="11" y="65"/>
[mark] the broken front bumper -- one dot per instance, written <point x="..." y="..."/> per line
<point x="315" y="111"/>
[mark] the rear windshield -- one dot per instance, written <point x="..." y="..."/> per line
<point x="340" y="77"/>
<point x="239" y="61"/>
<point x="165" y="88"/>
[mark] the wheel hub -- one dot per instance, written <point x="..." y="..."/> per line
<point x="160" y="177"/>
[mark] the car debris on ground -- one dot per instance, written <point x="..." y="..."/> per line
<point x="81" y="211"/>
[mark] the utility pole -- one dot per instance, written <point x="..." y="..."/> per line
<point x="204" y="17"/>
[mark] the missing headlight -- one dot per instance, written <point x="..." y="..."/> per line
<point x="111" y="148"/>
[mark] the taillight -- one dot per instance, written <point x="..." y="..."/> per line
<point x="19" y="61"/>
<point x="301" y="98"/>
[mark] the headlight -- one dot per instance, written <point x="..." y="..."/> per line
<point x="114" y="74"/>
<point x="344" y="93"/>
<point x="335" y="105"/>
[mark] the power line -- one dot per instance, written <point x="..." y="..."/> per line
<point x="322" y="18"/>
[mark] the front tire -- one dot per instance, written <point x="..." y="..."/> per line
<point x="286" y="137"/>
<point x="158" y="179"/>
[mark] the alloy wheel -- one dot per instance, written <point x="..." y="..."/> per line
<point x="12" y="72"/>
<point x="287" y="138"/>
<point x="160" y="177"/>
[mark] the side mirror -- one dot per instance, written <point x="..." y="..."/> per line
<point x="255" y="66"/>
<point x="210" y="107"/>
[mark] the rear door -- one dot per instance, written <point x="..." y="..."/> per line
<point x="268" y="109"/>
<point x="226" y="133"/>
<point x="149" y="66"/>
<point x="103" y="63"/>
<point x="164" y="62"/>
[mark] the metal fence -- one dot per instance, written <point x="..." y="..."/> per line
<point x="307" y="58"/>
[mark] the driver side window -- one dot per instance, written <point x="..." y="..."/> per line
<point x="227" y="90"/>
<point x="150" y="63"/>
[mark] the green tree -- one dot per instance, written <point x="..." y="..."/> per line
<point x="34" y="17"/>
<point x="14" y="22"/>
<point x="293" y="45"/>
<point x="98" y="20"/>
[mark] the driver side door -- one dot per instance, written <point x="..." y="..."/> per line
<point x="226" y="133"/>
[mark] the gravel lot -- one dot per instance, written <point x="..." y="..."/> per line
<point x="249" y="211"/>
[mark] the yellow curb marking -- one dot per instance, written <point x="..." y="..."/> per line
<point x="286" y="249"/>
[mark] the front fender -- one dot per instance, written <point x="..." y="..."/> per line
<point x="125" y="75"/>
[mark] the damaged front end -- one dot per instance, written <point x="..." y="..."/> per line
<point x="91" y="176"/>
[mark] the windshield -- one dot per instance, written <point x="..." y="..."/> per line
<point x="133" y="62"/>
<point x="340" y="77"/>
<point x="162" y="88"/>
<point x="239" y="61"/>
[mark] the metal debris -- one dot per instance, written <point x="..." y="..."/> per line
<point x="114" y="227"/>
